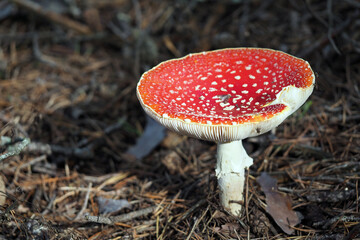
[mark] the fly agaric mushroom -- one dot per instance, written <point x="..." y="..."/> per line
<point x="226" y="96"/>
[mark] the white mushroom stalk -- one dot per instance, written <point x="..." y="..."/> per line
<point x="232" y="161"/>
<point x="226" y="96"/>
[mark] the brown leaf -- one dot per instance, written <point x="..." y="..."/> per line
<point x="227" y="228"/>
<point x="153" y="135"/>
<point x="278" y="204"/>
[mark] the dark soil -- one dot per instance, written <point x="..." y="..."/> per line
<point x="68" y="73"/>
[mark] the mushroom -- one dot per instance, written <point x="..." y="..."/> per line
<point x="226" y="96"/>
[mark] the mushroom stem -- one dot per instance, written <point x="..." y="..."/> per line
<point x="232" y="160"/>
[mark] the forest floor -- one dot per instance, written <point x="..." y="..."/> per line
<point x="68" y="74"/>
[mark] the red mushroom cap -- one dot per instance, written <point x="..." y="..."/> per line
<point x="227" y="94"/>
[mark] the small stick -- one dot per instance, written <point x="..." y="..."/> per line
<point x="120" y="218"/>
<point x="193" y="228"/>
<point x="53" y="16"/>
<point x="85" y="202"/>
<point x="325" y="224"/>
<point x="17" y="149"/>
<point x="190" y="210"/>
<point x="84" y="149"/>
<point x="324" y="40"/>
<point x="329" y="33"/>
<point x="47" y="149"/>
<point x="196" y="223"/>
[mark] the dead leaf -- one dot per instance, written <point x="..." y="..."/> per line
<point x="227" y="228"/>
<point x="153" y="135"/>
<point x="278" y="205"/>
<point x="218" y="214"/>
<point x="107" y="205"/>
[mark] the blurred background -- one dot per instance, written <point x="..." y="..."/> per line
<point x="68" y="73"/>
